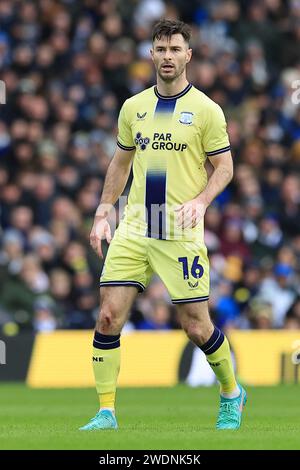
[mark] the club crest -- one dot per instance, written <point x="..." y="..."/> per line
<point x="186" y="118"/>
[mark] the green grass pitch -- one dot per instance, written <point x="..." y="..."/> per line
<point x="149" y="418"/>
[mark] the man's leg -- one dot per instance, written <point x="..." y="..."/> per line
<point x="196" y="322"/>
<point x="115" y="303"/>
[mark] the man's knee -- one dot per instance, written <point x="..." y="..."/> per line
<point x="193" y="331"/>
<point x="197" y="331"/>
<point x="109" y="320"/>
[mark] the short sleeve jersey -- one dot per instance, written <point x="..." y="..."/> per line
<point x="172" y="137"/>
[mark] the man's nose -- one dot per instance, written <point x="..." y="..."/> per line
<point x="168" y="55"/>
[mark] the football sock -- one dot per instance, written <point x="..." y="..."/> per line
<point x="218" y="356"/>
<point x="107" y="401"/>
<point x="106" y="365"/>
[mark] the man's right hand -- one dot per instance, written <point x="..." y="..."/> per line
<point x="100" y="230"/>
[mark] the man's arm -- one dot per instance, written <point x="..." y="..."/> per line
<point x="190" y="213"/>
<point x="220" y="177"/>
<point x="115" y="182"/>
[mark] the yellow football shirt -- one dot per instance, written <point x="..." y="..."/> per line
<point x="172" y="136"/>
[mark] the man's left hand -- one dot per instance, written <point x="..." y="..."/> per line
<point x="190" y="213"/>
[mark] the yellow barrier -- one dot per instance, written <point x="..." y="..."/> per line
<point x="63" y="358"/>
<point x="258" y="354"/>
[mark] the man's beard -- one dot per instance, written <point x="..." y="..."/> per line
<point x="168" y="79"/>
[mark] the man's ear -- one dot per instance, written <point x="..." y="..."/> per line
<point x="189" y="55"/>
<point x="151" y="52"/>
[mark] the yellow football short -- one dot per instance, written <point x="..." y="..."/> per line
<point x="182" y="266"/>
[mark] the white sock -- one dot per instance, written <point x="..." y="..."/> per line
<point x="234" y="394"/>
<point x="108" y="409"/>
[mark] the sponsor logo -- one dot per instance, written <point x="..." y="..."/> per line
<point x="214" y="364"/>
<point x="186" y="118"/>
<point x="141" y="141"/>
<point x="164" y="142"/>
<point x="141" y="117"/>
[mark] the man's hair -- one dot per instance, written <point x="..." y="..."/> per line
<point x="166" y="28"/>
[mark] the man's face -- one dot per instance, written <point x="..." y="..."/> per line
<point x="170" y="56"/>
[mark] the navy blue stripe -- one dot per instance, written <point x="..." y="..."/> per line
<point x="137" y="284"/>
<point x="106" y="341"/>
<point x="155" y="204"/>
<point x="165" y="106"/>
<point x="123" y="147"/>
<point x="214" y="342"/>
<point x="190" y="300"/>
<point x="179" y="95"/>
<point x="216" y="152"/>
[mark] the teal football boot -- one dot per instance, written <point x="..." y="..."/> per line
<point x="104" y="419"/>
<point x="230" y="412"/>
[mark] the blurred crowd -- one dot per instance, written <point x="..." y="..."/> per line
<point x="68" y="66"/>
